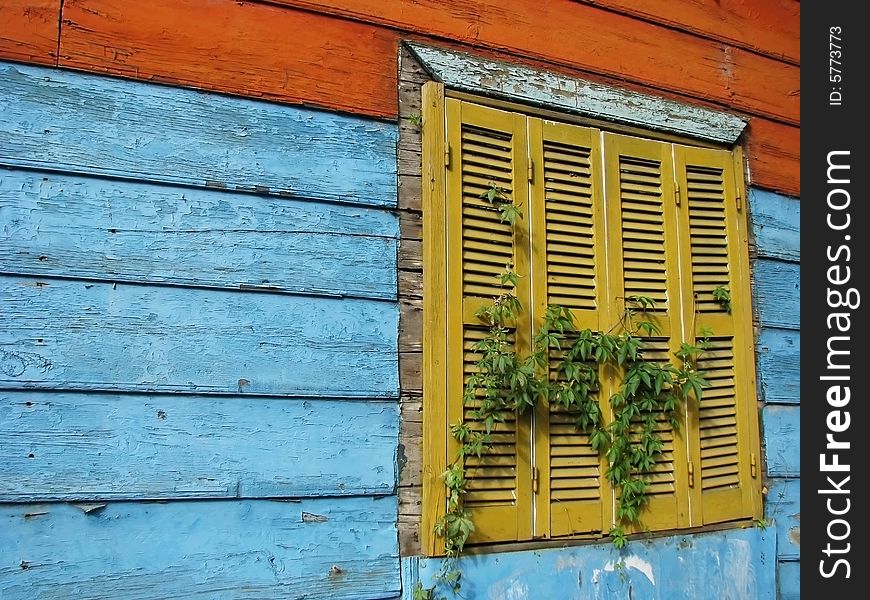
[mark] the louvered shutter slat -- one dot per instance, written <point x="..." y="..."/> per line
<point x="567" y="253"/>
<point x="488" y="149"/>
<point x="643" y="260"/>
<point x="721" y="421"/>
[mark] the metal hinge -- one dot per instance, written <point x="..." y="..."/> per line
<point x="677" y="193"/>
<point x="447" y="154"/>
<point x="739" y="202"/>
<point x="531" y="169"/>
<point x="753" y="469"/>
<point x="691" y="474"/>
<point x="534" y="480"/>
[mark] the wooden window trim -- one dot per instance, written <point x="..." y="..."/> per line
<point x="433" y="186"/>
<point x="481" y="76"/>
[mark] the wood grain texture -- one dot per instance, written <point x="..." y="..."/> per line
<point x="777" y="292"/>
<point x="778" y="354"/>
<point x="243" y="49"/>
<point x="329" y="549"/>
<point x="97" y="447"/>
<point x="29" y="30"/>
<point x="540" y="87"/>
<point x="74" y="335"/>
<point x="411" y="78"/>
<point x="776" y="224"/>
<point x="96" y="125"/>
<point x="236" y="47"/>
<point x="93" y="228"/>
<point x="781" y="427"/>
<point x="774" y="156"/>
<point x="735" y="564"/>
<point x="769" y="27"/>
<point x="598" y="41"/>
<point x="783" y="508"/>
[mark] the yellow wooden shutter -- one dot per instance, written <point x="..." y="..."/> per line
<point x="568" y="269"/>
<point x="487" y="147"/>
<point x="721" y="425"/>
<point x="643" y="260"/>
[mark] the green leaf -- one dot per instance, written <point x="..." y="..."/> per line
<point x="722" y="295"/>
<point x="509" y="212"/>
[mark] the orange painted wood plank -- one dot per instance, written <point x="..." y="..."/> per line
<point x="770" y="27"/>
<point x="28" y="30"/>
<point x="237" y="47"/>
<point x="595" y="40"/>
<point x="245" y="49"/>
<point x="774" y="156"/>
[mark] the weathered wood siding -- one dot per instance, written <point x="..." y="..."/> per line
<point x="99" y="126"/>
<point x="322" y="549"/>
<point x="126" y="231"/>
<point x="769" y="27"/>
<point x="92" y="447"/>
<point x="743" y="56"/>
<point x="29" y="30"/>
<point x="776" y="290"/>
<point x="410" y="202"/>
<point x="200" y="304"/>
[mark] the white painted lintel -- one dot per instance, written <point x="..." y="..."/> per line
<point x="518" y="83"/>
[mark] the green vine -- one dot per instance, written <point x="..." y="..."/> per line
<point x="651" y="392"/>
<point x="650" y="395"/>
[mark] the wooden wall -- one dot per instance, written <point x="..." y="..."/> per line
<point x="776" y="290"/>
<point x="201" y="348"/>
<point x="341" y="54"/>
<point x="198" y="349"/>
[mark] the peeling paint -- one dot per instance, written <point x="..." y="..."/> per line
<point x="210" y="447"/>
<point x="727" y="564"/>
<point x="313" y="518"/>
<point x="317" y="154"/>
<point x="634" y="562"/>
<point x="479" y="75"/>
<point x="513" y="589"/>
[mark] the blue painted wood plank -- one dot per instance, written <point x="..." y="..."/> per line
<point x="782" y="506"/>
<point x="739" y="563"/>
<point x="789" y="580"/>
<point x="777" y="292"/>
<point x="781" y="427"/>
<point x="58" y="446"/>
<point x="72" y="335"/>
<point x="778" y="353"/>
<point x="776" y="222"/>
<point x="85" y="123"/>
<point x="70" y="226"/>
<point x="333" y="548"/>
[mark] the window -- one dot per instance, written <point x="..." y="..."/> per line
<point x="604" y="216"/>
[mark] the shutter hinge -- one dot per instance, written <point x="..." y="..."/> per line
<point x="691" y="474"/>
<point x="677" y="193"/>
<point x="534" y="480"/>
<point x="739" y="201"/>
<point x="753" y="469"/>
<point x="447" y="154"/>
<point x="531" y="169"/>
